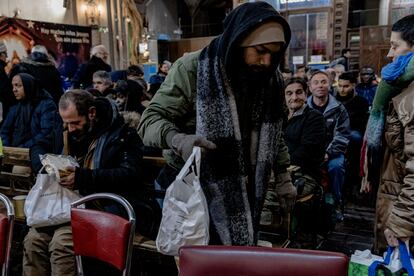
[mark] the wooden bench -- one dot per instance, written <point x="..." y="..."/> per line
<point x="152" y="166"/>
<point x="15" y="182"/>
<point x="16" y="176"/>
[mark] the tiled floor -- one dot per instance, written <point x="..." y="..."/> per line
<point x="355" y="232"/>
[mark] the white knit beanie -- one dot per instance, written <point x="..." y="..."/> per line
<point x="269" y="32"/>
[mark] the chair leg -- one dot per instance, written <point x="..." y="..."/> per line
<point x="79" y="266"/>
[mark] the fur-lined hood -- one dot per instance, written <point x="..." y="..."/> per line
<point x="38" y="62"/>
<point x="131" y="119"/>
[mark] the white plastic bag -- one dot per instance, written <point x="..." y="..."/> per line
<point x="56" y="164"/>
<point x="48" y="202"/>
<point x="185" y="217"/>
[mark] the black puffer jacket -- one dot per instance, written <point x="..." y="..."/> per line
<point x="117" y="158"/>
<point x="357" y="108"/>
<point x="43" y="69"/>
<point x="305" y="136"/>
<point x="117" y="162"/>
<point x="83" y="77"/>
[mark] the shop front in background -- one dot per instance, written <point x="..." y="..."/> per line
<point x="310" y="40"/>
<point x="311" y="32"/>
<point x="401" y="8"/>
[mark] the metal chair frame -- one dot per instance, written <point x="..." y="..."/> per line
<point x="131" y="219"/>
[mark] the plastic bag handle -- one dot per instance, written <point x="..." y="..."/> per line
<point x="196" y="154"/>
<point x="405" y="258"/>
<point x="378" y="264"/>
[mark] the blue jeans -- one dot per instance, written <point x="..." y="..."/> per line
<point x="336" y="172"/>
<point x="160" y="189"/>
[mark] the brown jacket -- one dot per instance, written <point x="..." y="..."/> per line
<point x="395" y="201"/>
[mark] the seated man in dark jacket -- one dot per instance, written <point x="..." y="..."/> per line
<point x="304" y="135"/>
<point x="109" y="155"/>
<point x="337" y="132"/>
<point x="368" y="85"/>
<point x="357" y="108"/>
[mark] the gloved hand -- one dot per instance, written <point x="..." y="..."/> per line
<point x="183" y="144"/>
<point x="286" y="191"/>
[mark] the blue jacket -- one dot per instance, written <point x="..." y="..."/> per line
<point x="367" y="91"/>
<point x="337" y="126"/>
<point x="43" y="122"/>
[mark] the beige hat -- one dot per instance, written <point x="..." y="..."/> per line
<point x="3" y="47"/>
<point x="265" y="33"/>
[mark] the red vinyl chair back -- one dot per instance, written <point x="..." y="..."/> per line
<point x="6" y="234"/>
<point x="4" y="228"/>
<point x="101" y="235"/>
<point x="263" y="261"/>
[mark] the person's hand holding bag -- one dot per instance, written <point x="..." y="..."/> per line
<point x="183" y="144"/>
<point x="67" y="177"/>
<point x="286" y="191"/>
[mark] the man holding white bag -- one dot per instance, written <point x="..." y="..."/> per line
<point x="228" y="99"/>
<point x="109" y="153"/>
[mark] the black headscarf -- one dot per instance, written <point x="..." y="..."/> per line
<point x="31" y="88"/>
<point x="237" y="26"/>
<point x="134" y="92"/>
<point x="247" y="139"/>
<point x="25" y="109"/>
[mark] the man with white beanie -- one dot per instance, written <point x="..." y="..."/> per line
<point x="228" y="99"/>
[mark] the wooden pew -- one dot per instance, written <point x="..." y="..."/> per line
<point x="154" y="165"/>
<point x="16" y="176"/>
<point x="16" y="182"/>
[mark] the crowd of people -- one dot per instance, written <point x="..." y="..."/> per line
<point x="96" y="122"/>
<point x="263" y="131"/>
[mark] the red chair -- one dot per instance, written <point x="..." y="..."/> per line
<point x="6" y="233"/>
<point x="101" y="235"/>
<point x="263" y="261"/>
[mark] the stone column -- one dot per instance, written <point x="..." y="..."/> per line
<point x="384" y="8"/>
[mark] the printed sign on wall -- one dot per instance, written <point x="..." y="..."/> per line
<point x="68" y="45"/>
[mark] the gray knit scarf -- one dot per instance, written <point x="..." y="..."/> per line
<point x="234" y="202"/>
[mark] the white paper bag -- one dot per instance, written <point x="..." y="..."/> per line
<point x="185" y="217"/>
<point x="48" y="203"/>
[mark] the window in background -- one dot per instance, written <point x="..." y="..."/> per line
<point x="302" y="4"/>
<point x="401" y="8"/>
<point x="309" y="37"/>
<point x="282" y="5"/>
